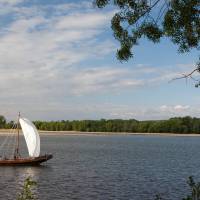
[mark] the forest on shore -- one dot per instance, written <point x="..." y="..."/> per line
<point x="173" y="125"/>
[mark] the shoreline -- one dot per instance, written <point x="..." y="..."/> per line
<point x="78" y="133"/>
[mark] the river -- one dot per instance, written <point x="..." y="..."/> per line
<point x="109" y="167"/>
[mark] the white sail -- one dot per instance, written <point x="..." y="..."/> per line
<point x="31" y="136"/>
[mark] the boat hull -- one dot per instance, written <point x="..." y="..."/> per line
<point x="26" y="161"/>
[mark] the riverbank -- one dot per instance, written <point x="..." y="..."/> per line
<point x="113" y="133"/>
<point x="60" y="133"/>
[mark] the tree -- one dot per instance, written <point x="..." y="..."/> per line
<point x="2" y="121"/>
<point x="178" y="20"/>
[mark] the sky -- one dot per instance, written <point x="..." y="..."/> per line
<point x="58" y="62"/>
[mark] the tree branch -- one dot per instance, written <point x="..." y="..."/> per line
<point x="185" y="76"/>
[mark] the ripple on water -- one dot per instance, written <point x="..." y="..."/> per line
<point x="109" y="167"/>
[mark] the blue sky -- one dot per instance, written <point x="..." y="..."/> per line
<point x="57" y="61"/>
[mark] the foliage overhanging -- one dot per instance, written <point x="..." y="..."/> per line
<point x="178" y="20"/>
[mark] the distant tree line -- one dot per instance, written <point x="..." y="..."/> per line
<point x="173" y="125"/>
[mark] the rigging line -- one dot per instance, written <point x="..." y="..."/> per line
<point x="9" y="143"/>
<point x="7" y="149"/>
<point x="6" y="139"/>
<point x="4" y="142"/>
<point x="12" y="146"/>
<point x="14" y="143"/>
<point x="14" y="140"/>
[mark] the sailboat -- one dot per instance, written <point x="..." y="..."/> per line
<point x="32" y="139"/>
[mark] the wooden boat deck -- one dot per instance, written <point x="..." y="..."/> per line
<point x="25" y="161"/>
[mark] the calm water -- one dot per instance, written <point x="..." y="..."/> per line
<point x="109" y="167"/>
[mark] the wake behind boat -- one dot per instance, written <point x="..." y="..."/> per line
<point x="32" y="139"/>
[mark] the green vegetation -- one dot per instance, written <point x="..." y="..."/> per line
<point x="2" y="121"/>
<point x="172" y="125"/>
<point x="194" y="191"/>
<point x="26" y="193"/>
<point x="178" y="20"/>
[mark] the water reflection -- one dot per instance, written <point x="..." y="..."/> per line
<point x="34" y="172"/>
<point x="109" y="167"/>
<point x="12" y="179"/>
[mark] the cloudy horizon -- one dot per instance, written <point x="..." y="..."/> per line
<point x="57" y="61"/>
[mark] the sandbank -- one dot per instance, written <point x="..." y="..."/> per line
<point x="60" y="133"/>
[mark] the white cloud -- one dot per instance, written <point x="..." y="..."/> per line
<point x="102" y="80"/>
<point x="83" y="21"/>
<point x="176" y="110"/>
<point x="37" y="51"/>
<point x="164" y="108"/>
<point x="180" y="108"/>
<point x="11" y="2"/>
<point x="116" y="79"/>
<point x="149" y="112"/>
<point x="44" y="61"/>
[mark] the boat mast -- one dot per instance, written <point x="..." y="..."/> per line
<point x="17" y="155"/>
<point x="18" y="133"/>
